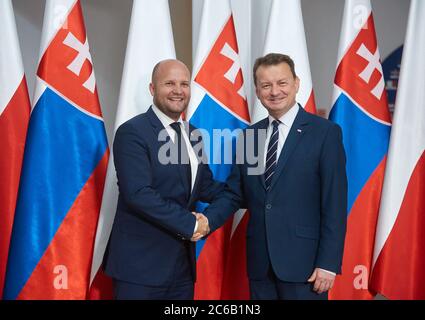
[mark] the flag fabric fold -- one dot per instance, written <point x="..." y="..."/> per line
<point x="135" y="98"/>
<point x="399" y="255"/>
<point x="14" y="115"/>
<point x="219" y="102"/>
<point x="286" y="35"/>
<point x="64" y="167"/>
<point x="361" y="109"/>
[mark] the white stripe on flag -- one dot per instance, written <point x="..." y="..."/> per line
<point x="150" y="24"/>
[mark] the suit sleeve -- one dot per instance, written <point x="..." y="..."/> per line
<point x="210" y="188"/>
<point x="133" y="167"/>
<point x="333" y="202"/>
<point x="228" y="201"/>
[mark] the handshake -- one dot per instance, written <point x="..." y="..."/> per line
<point x="203" y="228"/>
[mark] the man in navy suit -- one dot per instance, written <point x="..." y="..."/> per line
<point x="150" y="254"/>
<point x="298" y="200"/>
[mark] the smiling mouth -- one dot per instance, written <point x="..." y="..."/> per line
<point x="274" y="100"/>
<point x="176" y="99"/>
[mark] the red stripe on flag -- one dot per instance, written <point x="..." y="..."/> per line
<point x="310" y="106"/>
<point x="71" y="247"/>
<point x="13" y="130"/>
<point x="353" y="284"/>
<point x="211" y="263"/>
<point x="235" y="280"/>
<point x="399" y="269"/>
<point x="102" y="287"/>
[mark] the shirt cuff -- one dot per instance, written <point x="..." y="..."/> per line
<point x="196" y="226"/>
<point x="330" y="272"/>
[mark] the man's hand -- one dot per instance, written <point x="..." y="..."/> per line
<point x="203" y="227"/>
<point x="323" y="281"/>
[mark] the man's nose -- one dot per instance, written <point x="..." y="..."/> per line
<point x="178" y="89"/>
<point x="274" y="90"/>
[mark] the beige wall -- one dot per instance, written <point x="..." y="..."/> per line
<point x="181" y="18"/>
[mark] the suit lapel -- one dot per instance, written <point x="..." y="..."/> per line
<point x="189" y="130"/>
<point x="155" y="122"/>
<point x="298" y="129"/>
<point x="183" y="176"/>
<point x="263" y="125"/>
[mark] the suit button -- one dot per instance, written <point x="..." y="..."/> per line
<point x="268" y="207"/>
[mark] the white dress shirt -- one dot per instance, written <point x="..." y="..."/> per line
<point x="285" y="125"/>
<point x="166" y="122"/>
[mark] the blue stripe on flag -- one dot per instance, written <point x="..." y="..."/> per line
<point x="63" y="148"/>
<point x="209" y="116"/>
<point x="365" y="142"/>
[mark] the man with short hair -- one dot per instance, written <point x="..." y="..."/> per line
<point x="298" y="204"/>
<point x="150" y="255"/>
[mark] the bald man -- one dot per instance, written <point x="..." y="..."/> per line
<point x="150" y="254"/>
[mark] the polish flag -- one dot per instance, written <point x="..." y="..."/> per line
<point x="286" y="35"/>
<point x="14" y="115"/>
<point x="135" y="98"/>
<point x="399" y="256"/>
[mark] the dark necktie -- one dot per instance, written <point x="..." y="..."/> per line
<point x="271" y="158"/>
<point x="183" y="153"/>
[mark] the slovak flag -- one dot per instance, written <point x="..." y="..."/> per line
<point x="399" y="256"/>
<point x="361" y="109"/>
<point x="63" y="173"/>
<point x="14" y="115"/>
<point x="219" y="102"/>
<point x="286" y="35"/>
<point x="135" y="98"/>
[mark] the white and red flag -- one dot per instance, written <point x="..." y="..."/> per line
<point x="399" y="256"/>
<point x="135" y="98"/>
<point x="286" y="35"/>
<point x="14" y="115"/>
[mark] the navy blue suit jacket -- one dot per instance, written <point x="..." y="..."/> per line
<point x="153" y="223"/>
<point x="300" y="223"/>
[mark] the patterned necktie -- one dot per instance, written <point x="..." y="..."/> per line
<point x="183" y="153"/>
<point x="271" y="158"/>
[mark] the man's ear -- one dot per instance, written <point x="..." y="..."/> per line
<point x="151" y="88"/>
<point x="297" y="83"/>
<point x="257" y="92"/>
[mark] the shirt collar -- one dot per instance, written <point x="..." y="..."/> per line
<point x="165" y="120"/>
<point x="288" y="118"/>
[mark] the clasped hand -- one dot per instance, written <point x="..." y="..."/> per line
<point x="203" y="227"/>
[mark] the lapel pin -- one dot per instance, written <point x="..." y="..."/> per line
<point x="299" y="130"/>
